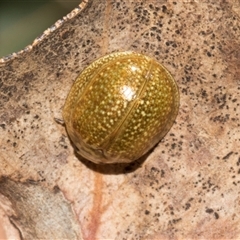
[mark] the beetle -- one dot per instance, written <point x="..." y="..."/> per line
<point x="120" y="106"/>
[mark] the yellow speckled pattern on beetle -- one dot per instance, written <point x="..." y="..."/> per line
<point x="119" y="107"/>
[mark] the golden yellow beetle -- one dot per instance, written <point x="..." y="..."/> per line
<point x="119" y="107"/>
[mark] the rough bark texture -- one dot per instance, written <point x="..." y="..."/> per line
<point x="186" y="188"/>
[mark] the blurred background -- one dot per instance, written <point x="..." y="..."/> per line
<point x="21" y="21"/>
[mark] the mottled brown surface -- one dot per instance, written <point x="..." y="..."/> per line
<point x="187" y="188"/>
